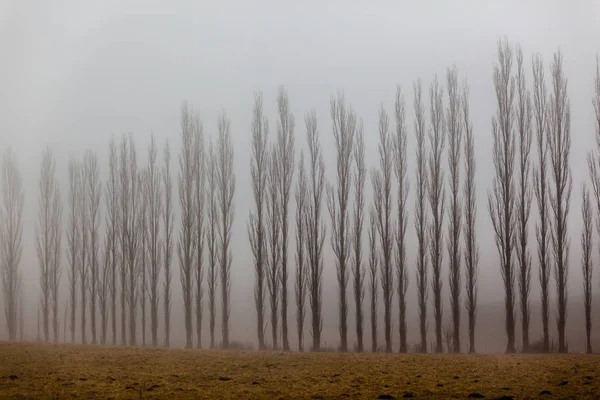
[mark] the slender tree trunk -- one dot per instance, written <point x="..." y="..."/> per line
<point x="454" y="124"/>
<point x="167" y="217"/>
<point x="437" y="198"/>
<point x="594" y="169"/>
<point x="502" y="196"/>
<point x="358" y="272"/>
<point x="401" y="167"/>
<point x="190" y="123"/>
<point x="285" y="152"/>
<point x="11" y="229"/>
<point x="213" y="219"/>
<point x="523" y="115"/>
<point x="256" y="223"/>
<point x="226" y="189"/>
<point x="344" y="131"/>
<point x="421" y="213"/>
<point x="315" y="227"/>
<point x="559" y="144"/>
<point x="301" y="262"/>
<point x="470" y="203"/>
<point x="373" y="266"/>
<point x="540" y="189"/>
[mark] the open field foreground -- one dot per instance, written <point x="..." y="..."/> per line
<point x="64" y="371"/>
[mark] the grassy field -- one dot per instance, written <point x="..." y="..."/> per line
<point x="64" y="371"/>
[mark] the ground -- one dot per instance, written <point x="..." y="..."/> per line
<point x="47" y="371"/>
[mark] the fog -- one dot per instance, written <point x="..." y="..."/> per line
<point x="75" y="74"/>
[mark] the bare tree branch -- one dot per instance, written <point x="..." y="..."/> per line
<point x="301" y="280"/>
<point x="344" y="130"/>
<point x="256" y="220"/>
<point x="273" y="242"/>
<point x="587" y="215"/>
<point x="133" y="240"/>
<point x="112" y="230"/>
<point x="199" y="201"/>
<point x="46" y="236"/>
<point x="421" y="212"/>
<point x="190" y="122"/>
<point x="285" y="156"/>
<point x="73" y="238"/>
<point x="168" y="219"/>
<point x="455" y="132"/>
<point x="226" y="189"/>
<point x="382" y="188"/>
<point x="523" y="116"/>
<point x="373" y="266"/>
<point x="401" y="169"/>
<point x="211" y="239"/>
<point x="92" y="191"/>
<point x="437" y="196"/>
<point x="540" y="184"/>
<point x="11" y="232"/>
<point x="358" y="271"/>
<point x="470" y="204"/>
<point x="559" y="146"/>
<point x="155" y="209"/>
<point x="315" y="226"/>
<point x="594" y="170"/>
<point x="502" y="196"/>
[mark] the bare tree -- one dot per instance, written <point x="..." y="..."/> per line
<point x="338" y="198"/>
<point x="211" y="240"/>
<point x="124" y="207"/>
<point x="134" y="228"/>
<point x="46" y="235"/>
<point x="586" y="263"/>
<point x="199" y="187"/>
<point x="11" y="231"/>
<point x="401" y="167"/>
<point x="285" y="157"/>
<point x="112" y="230"/>
<point x="358" y="269"/>
<point x="256" y="220"/>
<point x="104" y="288"/>
<point x="382" y="191"/>
<point x="56" y="251"/>
<point x="594" y="169"/>
<point x="373" y="265"/>
<point x="273" y="240"/>
<point x="315" y="226"/>
<point x="502" y="196"/>
<point x="226" y="189"/>
<point x="142" y="246"/>
<point x="523" y="116"/>
<point x="301" y="262"/>
<point x="559" y="146"/>
<point x="93" y="190"/>
<point x="154" y="210"/>
<point x="190" y="122"/>
<point x="167" y="217"/>
<point x="454" y="124"/>
<point x="470" y="204"/>
<point x="437" y="198"/>
<point x="421" y="212"/>
<point x="73" y="238"/>
<point x="540" y="184"/>
<point x="84" y="263"/>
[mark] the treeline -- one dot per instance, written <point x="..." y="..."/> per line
<point x="125" y="269"/>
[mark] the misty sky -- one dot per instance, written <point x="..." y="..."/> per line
<point x="75" y="73"/>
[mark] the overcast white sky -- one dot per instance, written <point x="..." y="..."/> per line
<point x="74" y="73"/>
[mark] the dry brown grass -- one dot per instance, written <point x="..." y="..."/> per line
<point x="70" y="371"/>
